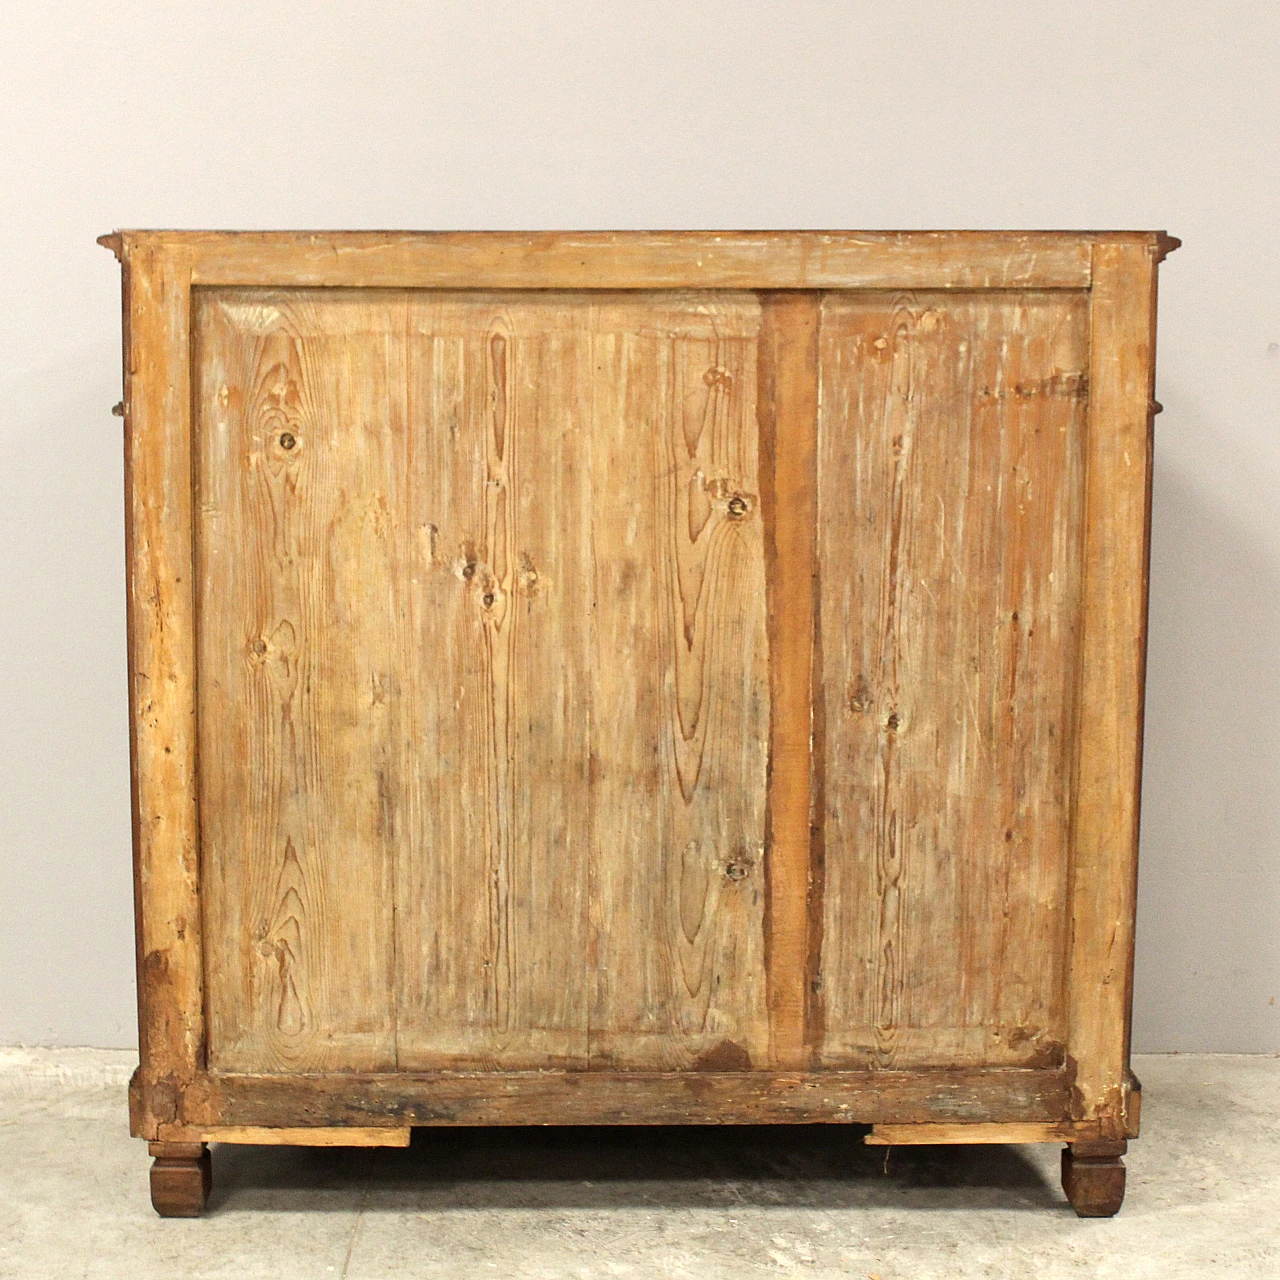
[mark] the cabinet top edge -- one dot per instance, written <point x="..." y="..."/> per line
<point x="283" y="236"/>
<point x="633" y="259"/>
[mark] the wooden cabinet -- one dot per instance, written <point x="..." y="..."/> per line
<point x="636" y="678"/>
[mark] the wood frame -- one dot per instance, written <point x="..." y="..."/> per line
<point x="175" y="1100"/>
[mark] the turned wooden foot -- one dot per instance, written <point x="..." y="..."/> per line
<point x="1093" y="1177"/>
<point x="181" y="1176"/>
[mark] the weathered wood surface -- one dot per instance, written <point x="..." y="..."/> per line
<point x="162" y="677"/>
<point x="950" y="481"/>
<point x="491" y="892"/>
<point x="521" y="791"/>
<point x="933" y="1135"/>
<point x="640" y="260"/>
<point x="1111" y="673"/>
<point x="484" y="707"/>
<point x="628" y="1097"/>
<point x="788" y="413"/>
<point x="300" y="481"/>
<point x="343" y="1136"/>
<point x="679" y="687"/>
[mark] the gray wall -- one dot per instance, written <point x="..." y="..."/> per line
<point x="258" y="113"/>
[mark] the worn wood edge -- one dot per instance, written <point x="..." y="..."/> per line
<point x="1154" y="407"/>
<point x="788" y="411"/>
<point x="1132" y="1105"/>
<point x="909" y="1135"/>
<point x="159" y="540"/>
<point x="343" y="1136"/>
<point x="186" y="1150"/>
<point x="762" y="260"/>
<point x="1111" y="670"/>
<point x="1099" y="1149"/>
<point x="590" y="1097"/>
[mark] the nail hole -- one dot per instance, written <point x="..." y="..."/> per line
<point x="737" y="507"/>
<point x="488" y="599"/>
<point x="287" y="440"/>
<point x="893" y="720"/>
<point x="468" y="570"/>
<point x="736" y="870"/>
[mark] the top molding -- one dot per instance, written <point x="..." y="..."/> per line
<point x="634" y="259"/>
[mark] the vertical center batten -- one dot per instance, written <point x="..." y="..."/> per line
<point x="788" y="415"/>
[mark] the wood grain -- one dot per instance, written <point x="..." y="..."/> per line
<point x="1111" y="673"/>
<point x="931" y="1135"/>
<point x="408" y="503"/>
<point x="499" y="607"/>
<point x="680" y="687"/>
<point x="162" y="681"/>
<point x="640" y="260"/>
<point x="300" y="482"/>
<point x="951" y="1096"/>
<point x="498" y="756"/>
<point x="343" y="1136"/>
<point x="950" y="488"/>
<point x="788" y="414"/>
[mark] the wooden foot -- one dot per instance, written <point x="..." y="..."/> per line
<point x="181" y="1176"/>
<point x="1093" y="1177"/>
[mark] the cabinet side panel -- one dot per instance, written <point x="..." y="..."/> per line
<point x="302" y="645"/>
<point x="950" y="500"/>
<point x="1105" y="834"/>
<point x="680" y="687"/>
<point x="162" y="680"/>
<point x="492" y="882"/>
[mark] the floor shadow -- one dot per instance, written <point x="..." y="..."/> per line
<point x="817" y="1166"/>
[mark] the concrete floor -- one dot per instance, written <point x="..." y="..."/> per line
<point x="716" y="1204"/>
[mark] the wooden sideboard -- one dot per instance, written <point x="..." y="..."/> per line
<point x="636" y="678"/>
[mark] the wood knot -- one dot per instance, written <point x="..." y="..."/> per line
<point x="893" y="722"/>
<point x="860" y="695"/>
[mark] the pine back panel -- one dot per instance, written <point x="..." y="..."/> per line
<point x="950" y="493"/>
<point x="483" y="679"/>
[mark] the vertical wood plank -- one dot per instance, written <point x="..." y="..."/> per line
<point x="491" y="898"/>
<point x="680" y="701"/>
<point x="162" y="676"/>
<point x="950" y="489"/>
<point x="302" y="656"/>
<point x="788" y="415"/>
<point x="1112" y="669"/>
